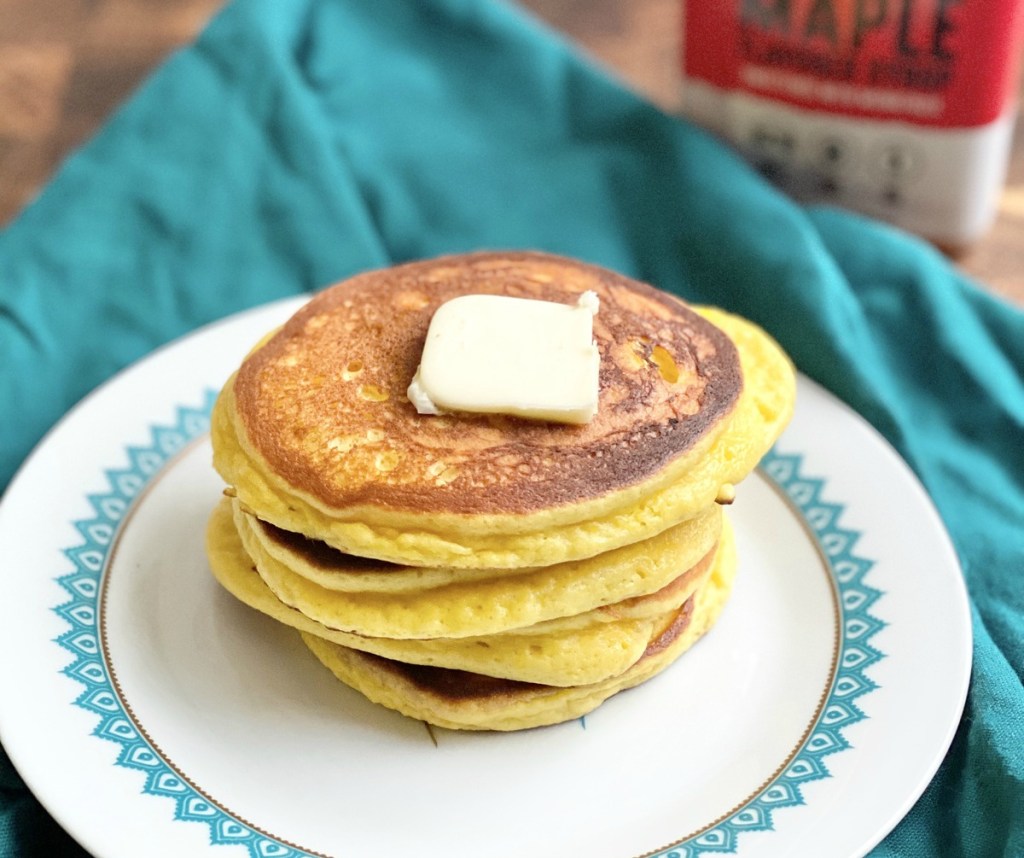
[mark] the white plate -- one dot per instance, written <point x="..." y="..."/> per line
<point x="152" y="714"/>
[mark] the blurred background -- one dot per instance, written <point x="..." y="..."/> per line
<point x="65" y="65"/>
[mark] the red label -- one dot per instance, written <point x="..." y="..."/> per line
<point x="950" y="63"/>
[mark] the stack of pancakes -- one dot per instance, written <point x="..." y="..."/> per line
<point x="483" y="571"/>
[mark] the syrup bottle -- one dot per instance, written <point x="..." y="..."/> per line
<point x="900" y="109"/>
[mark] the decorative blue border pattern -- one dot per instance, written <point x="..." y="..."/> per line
<point x="838" y="711"/>
<point x="82" y="640"/>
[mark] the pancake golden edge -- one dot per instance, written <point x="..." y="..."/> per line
<point x="365" y="577"/>
<point x="633" y="582"/>
<point x="525" y="706"/>
<point x="679" y="491"/>
<point x="499" y="604"/>
<point x="592" y="652"/>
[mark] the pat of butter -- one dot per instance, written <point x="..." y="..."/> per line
<point x="490" y="354"/>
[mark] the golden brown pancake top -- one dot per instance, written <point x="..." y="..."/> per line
<point x="324" y="400"/>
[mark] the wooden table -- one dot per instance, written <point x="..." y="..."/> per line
<point x="66" y="64"/>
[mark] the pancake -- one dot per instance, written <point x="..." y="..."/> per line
<point x="486" y="571"/>
<point x="315" y="432"/>
<point x="350" y="573"/>
<point x="498" y="604"/>
<point x="463" y="701"/>
<point x="335" y="570"/>
<point x="586" y="654"/>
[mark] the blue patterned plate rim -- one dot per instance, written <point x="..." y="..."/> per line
<point x="848" y="678"/>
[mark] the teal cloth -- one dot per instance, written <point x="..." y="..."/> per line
<point x="298" y="142"/>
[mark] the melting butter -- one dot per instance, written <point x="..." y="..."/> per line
<point x="491" y="354"/>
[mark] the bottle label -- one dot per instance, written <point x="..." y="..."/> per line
<point x="940" y="63"/>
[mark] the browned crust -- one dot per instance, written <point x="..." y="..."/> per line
<point x="460" y="685"/>
<point x="324" y="556"/>
<point x="295" y="401"/>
